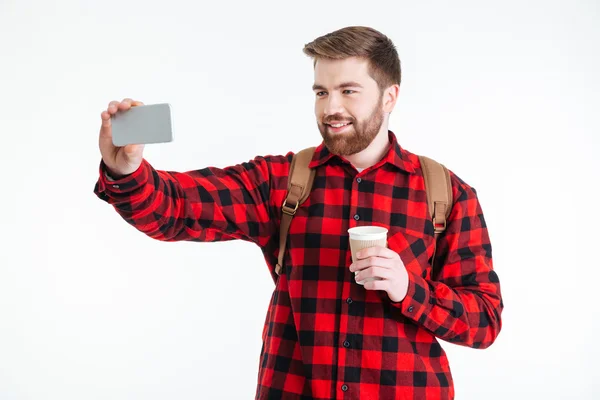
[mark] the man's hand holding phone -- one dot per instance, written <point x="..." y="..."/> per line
<point x="124" y="160"/>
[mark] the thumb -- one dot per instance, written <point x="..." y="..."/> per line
<point x="133" y="151"/>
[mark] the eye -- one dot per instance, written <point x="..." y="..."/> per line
<point x="319" y="94"/>
<point x="349" y="90"/>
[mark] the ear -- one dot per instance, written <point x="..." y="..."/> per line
<point x="390" y="95"/>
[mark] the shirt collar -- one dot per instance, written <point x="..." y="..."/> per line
<point x="396" y="156"/>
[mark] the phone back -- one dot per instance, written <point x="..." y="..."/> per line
<point x="143" y="125"/>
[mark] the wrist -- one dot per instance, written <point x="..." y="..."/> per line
<point x="112" y="176"/>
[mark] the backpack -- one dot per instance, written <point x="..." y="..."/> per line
<point x="437" y="185"/>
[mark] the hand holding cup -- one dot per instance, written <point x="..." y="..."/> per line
<point x="375" y="266"/>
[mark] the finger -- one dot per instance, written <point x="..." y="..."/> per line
<point x="377" y="251"/>
<point x="373" y="272"/>
<point x="113" y="106"/>
<point x="125" y="104"/>
<point x="105" y="129"/>
<point x="369" y="262"/>
<point x="377" y="285"/>
<point x="105" y="116"/>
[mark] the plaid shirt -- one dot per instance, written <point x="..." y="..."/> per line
<point x="325" y="336"/>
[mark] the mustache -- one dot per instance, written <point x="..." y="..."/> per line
<point x="336" y="119"/>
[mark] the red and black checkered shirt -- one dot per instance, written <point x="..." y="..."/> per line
<point x="325" y="336"/>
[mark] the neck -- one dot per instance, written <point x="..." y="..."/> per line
<point x="374" y="153"/>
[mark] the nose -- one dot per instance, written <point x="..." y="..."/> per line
<point x="333" y="105"/>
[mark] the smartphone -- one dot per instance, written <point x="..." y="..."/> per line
<point x="145" y="124"/>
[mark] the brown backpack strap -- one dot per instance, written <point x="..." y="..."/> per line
<point x="300" y="182"/>
<point x="439" y="195"/>
<point x="439" y="192"/>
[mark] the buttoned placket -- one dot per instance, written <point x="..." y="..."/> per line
<point x="346" y="351"/>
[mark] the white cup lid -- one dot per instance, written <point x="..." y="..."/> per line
<point x="367" y="232"/>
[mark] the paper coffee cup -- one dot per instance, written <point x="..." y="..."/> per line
<point x="363" y="237"/>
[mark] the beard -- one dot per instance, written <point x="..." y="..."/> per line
<point x="357" y="137"/>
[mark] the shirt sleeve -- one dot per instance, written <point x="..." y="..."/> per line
<point x="463" y="303"/>
<point x="209" y="205"/>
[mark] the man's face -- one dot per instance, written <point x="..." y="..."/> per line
<point x="345" y="93"/>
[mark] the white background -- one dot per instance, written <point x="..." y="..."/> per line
<point x="505" y="94"/>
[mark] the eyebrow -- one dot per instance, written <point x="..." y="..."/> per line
<point x="340" y="86"/>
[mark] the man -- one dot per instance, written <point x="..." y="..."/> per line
<point x="325" y="336"/>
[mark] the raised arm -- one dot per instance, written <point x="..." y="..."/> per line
<point x="209" y="204"/>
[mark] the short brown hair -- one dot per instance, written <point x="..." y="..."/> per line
<point x="364" y="42"/>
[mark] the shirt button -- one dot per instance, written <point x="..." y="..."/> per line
<point x="356" y="217"/>
<point x="344" y="387"/>
<point x="358" y="180"/>
<point x="346" y="344"/>
<point x="410" y="309"/>
<point x="349" y="300"/>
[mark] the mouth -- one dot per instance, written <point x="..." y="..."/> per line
<point x="338" y="127"/>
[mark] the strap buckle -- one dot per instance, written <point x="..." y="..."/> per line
<point x="439" y="228"/>
<point x="288" y="210"/>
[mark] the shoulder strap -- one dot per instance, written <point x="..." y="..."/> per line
<point x="439" y="192"/>
<point x="439" y="196"/>
<point x="300" y="182"/>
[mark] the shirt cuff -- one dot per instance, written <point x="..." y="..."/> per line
<point x="125" y="185"/>
<point x="417" y="300"/>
